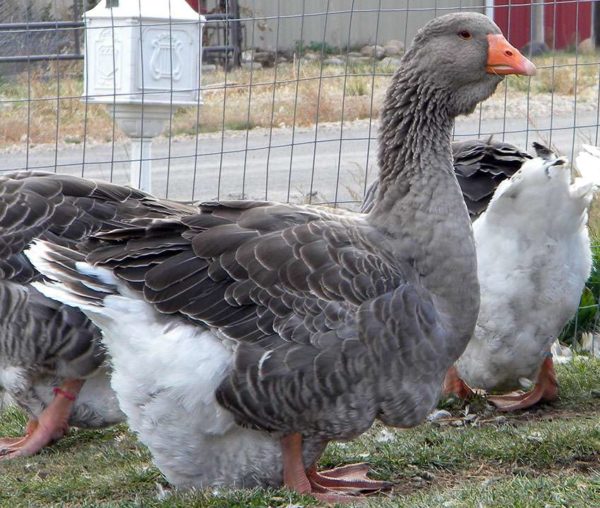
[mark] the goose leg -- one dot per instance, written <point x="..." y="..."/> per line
<point x="11" y="441"/>
<point x="350" y="479"/>
<point x="337" y="485"/>
<point x="454" y="385"/>
<point x="545" y="389"/>
<point x="51" y="425"/>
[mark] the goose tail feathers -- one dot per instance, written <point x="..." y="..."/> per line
<point x="588" y="164"/>
<point x="69" y="278"/>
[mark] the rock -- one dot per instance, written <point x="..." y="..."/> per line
<point x="209" y="67"/>
<point x="247" y="55"/>
<point x="526" y="384"/>
<point x="595" y="393"/>
<point x="535" y="48"/>
<point x="393" y="48"/>
<point x="586" y="47"/>
<point x="438" y="415"/>
<point x="535" y="437"/>
<point x="266" y="58"/>
<point x="385" y="436"/>
<point x="251" y="65"/>
<point x="500" y="420"/>
<point x="333" y="61"/>
<point x="373" y="52"/>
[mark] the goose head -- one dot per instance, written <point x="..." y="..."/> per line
<point x="465" y="56"/>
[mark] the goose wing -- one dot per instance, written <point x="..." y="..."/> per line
<point x="64" y="210"/>
<point x="327" y="323"/>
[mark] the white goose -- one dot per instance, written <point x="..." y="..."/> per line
<point x="534" y="258"/>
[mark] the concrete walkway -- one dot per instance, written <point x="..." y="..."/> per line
<point x="278" y="164"/>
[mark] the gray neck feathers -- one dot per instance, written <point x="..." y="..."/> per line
<point x="420" y="206"/>
<point x="415" y="137"/>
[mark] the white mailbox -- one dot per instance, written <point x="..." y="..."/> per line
<point x="143" y="51"/>
<point x="142" y="59"/>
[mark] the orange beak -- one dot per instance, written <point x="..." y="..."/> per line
<point x="506" y="59"/>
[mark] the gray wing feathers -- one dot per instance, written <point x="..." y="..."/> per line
<point x="57" y="339"/>
<point x="309" y="297"/>
<point x="36" y="332"/>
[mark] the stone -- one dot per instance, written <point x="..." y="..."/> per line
<point x="438" y="415"/>
<point x="209" y="68"/>
<point x="247" y="55"/>
<point x="533" y="48"/>
<point x="587" y="47"/>
<point x="373" y="52"/>
<point x="333" y="61"/>
<point x="395" y="42"/>
<point x="393" y="48"/>
<point x="266" y="58"/>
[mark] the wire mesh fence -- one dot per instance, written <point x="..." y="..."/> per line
<point x="298" y="118"/>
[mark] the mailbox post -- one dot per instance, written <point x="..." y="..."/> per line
<point x="142" y="59"/>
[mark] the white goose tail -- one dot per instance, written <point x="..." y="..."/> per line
<point x="588" y="165"/>
<point x="72" y="281"/>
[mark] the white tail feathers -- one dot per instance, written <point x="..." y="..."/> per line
<point x="588" y="164"/>
<point x="72" y="281"/>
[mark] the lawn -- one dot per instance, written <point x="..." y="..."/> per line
<point x="548" y="456"/>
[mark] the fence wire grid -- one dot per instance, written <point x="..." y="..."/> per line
<point x="288" y="93"/>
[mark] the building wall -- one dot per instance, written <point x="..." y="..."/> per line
<point x="340" y="23"/>
<point x="566" y="22"/>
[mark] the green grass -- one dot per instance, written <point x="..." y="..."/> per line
<point x="549" y="456"/>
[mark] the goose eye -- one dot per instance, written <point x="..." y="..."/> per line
<point x="464" y="34"/>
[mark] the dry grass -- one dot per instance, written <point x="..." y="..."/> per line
<point x="289" y="94"/>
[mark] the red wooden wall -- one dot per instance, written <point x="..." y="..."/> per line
<point x="197" y="4"/>
<point x="566" y="22"/>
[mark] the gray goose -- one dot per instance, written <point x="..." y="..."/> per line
<point x="246" y="337"/>
<point x="480" y="166"/>
<point x="52" y="363"/>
